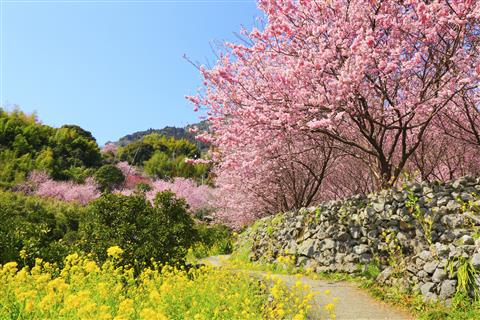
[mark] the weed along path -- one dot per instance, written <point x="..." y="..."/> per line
<point x="353" y="302"/>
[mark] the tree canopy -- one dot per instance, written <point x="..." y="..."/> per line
<point x="26" y="144"/>
<point x="163" y="157"/>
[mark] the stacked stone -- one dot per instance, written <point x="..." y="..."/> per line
<point x="343" y="235"/>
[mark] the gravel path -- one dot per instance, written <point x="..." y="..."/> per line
<point x="353" y="302"/>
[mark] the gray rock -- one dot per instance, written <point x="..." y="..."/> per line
<point x="456" y="184"/>
<point x="339" y="257"/>
<point x="442" y="201"/>
<point x="425" y="255"/>
<point x="439" y="275"/>
<point x="349" y="267"/>
<point x="343" y="236"/>
<point x="360" y="249"/>
<point x="299" y="225"/>
<point x="379" y="206"/>
<point x="384" y="275"/>
<point x="355" y="232"/>
<point x="466" y="239"/>
<point x="372" y="234"/>
<point x="321" y="235"/>
<point x="307" y="248"/>
<point x="366" y="257"/>
<point x="328" y="244"/>
<point x="430" y="267"/>
<point x="412" y="268"/>
<point x="448" y="289"/>
<point x="443" y="263"/>
<point x="311" y="264"/>
<point x="431" y="297"/>
<point x="442" y="250"/>
<point x="291" y="246"/>
<point x="351" y="258"/>
<point x="301" y="261"/>
<point x="426" y="288"/>
<point x="447" y="237"/>
<point x="453" y="205"/>
<point x="476" y="261"/>
<point x="401" y="237"/>
<point x="466" y="196"/>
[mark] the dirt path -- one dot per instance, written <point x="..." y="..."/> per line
<point x="353" y="302"/>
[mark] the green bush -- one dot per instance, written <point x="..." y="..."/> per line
<point x="163" y="231"/>
<point x="50" y="229"/>
<point x="143" y="187"/>
<point x="109" y="177"/>
<point x="37" y="227"/>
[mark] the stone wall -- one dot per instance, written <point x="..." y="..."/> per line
<point x="418" y="236"/>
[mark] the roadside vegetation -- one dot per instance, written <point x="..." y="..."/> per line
<point x="84" y="289"/>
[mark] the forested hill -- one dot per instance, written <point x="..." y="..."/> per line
<point x="174" y="132"/>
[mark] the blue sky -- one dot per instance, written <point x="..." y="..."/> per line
<point x="112" y="67"/>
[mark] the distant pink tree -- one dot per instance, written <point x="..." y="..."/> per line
<point x="198" y="197"/>
<point x="349" y="176"/>
<point x="132" y="176"/>
<point x="126" y="168"/>
<point x="40" y="184"/>
<point x="110" y="148"/>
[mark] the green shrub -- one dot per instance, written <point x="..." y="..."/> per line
<point x="143" y="187"/>
<point x="109" y="177"/>
<point x="39" y="228"/>
<point x="163" y="231"/>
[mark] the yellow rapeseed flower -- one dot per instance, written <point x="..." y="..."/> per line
<point x="115" y="252"/>
<point x="126" y="307"/>
<point x="84" y="290"/>
<point x="150" y="314"/>
<point x="23" y="254"/>
<point x="329" y="307"/>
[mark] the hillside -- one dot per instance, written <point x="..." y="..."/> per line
<point x="174" y="132"/>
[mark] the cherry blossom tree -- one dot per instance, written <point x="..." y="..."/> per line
<point x="371" y="75"/>
<point x="40" y="184"/>
<point x="110" y="148"/>
<point x="133" y="177"/>
<point x="369" y="78"/>
<point x="463" y="122"/>
<point x="280" y="178"/>
<point x="198" y="197"/>
<point x="442" y="157"/>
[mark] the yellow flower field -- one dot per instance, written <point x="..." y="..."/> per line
<point x="85" y="290"/>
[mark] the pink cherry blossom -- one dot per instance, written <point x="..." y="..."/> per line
<point x="198" y="197"/>
<point x="41" y="185"/>
<point x="110" y="148"/>
<point x="373" y="81"/>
